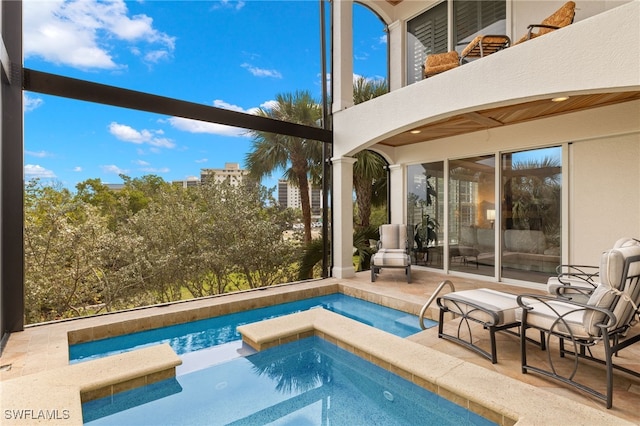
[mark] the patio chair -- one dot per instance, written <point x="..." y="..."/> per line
<point x="483" y="45"/>
<point x="604" y="320"/>
<point x="560" y="18"/>
<point x="577" y="282"/>
<point x="479" y="47"/>
<point x="393" y="250"/>
<point x="440" y="62"/>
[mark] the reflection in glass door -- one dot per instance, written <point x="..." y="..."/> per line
<point x="531" y="214"/>
<point x="472" y="215"/>
<point x="425" y="212"/>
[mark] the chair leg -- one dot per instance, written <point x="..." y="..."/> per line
<point x="373" y="274"/>
<point x="523" y="347"/>
<point x="408" y="272"/>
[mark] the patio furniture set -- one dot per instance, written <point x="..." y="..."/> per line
<point x="589" y="311"/>
<point x="484" y="45"/>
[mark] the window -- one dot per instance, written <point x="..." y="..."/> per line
<point x="425" y="212"/>
<point x="531" y="227"/>
<point x="519" y="226"/>
<point x="426" y="34"/>
<point x="475" y="17"/>
<point x="472" y="215"/>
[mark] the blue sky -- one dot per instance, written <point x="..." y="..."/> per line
<point x="231" y="54"/>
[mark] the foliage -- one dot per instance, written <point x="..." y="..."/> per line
<point x="533" y="194"/>
<point x="300" y="159"/>
<point x="369" y="174"/>
<point x="99" y="250"/>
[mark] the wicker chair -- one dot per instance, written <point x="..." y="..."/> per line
<point x="484" y="45"/>
<point x="560" y="18"/>
<point x="440" y="62"/>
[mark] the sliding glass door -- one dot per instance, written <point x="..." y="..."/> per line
<point x="520" y="225"/>
<point x="531" y="213"/>
<point x="472" y="215"/>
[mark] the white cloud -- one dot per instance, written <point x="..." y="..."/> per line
<point x="36" y="171"/>
<point x="77" y="169"/>
<point x="155" y="170"/>
<point x="144" y="136"/>
<point x="38" y="154"/>
<point x="261" y="72"/>
<point x="229" y="4"/>
<point x="80" y="33"/>
<point x="141" y="163"/>
<point x="156" y="56"/>
<point x="194" y="126"/>
<point x="202" y="160"/>
<point x="375" y="79"/>
<point x="111" y="168"/>
<point x="269" y="104"/>
<point x="30" y="103"/>
<point x="218" y="103"/>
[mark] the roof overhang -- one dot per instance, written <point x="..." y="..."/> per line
<point x="594" y="62"/>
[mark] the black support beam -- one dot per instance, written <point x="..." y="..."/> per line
<point x="52" y="84"/>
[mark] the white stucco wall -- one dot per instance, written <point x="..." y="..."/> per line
<point x="598" y="54"/>
<point x="604" y="188"/>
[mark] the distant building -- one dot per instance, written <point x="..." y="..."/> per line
<point x="289" y="196"/>
<point x="232" y="173"/>
<point x="115" y="186"/>
<point x="187" y="183"/>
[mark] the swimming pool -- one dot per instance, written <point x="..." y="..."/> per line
<point x="307" y="382"/>
<point x="204" y="334"/>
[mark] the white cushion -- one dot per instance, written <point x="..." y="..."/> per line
<point x="393" y="236"/>
<point x="386" y="258"/>
<point x="545" y="316"/>
<point x="503" y="304"/>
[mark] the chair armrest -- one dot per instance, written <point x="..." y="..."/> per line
<point x="532" y="26"/>
<point x="551" y="27"/>
<point x="571" y="274"/>
<point x="529" y="302"/>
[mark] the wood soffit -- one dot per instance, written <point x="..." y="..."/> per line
<point x="506" y="115"/>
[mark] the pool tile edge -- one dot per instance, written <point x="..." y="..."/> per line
<point x="55" y="396"/>
<point x="501" y="399"/>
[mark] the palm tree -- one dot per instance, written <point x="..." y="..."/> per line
<point x="368" y="171"/>
<point x="298" y="157"/>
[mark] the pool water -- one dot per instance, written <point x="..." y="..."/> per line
<point x="307" y="382"/>
<point x="190" y="338"/>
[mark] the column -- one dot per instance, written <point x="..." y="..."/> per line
<point x="397" y="199"/>
<point x="342" y="226"/>
<point x="397" y="55"/>
<point x="342" y="59"/>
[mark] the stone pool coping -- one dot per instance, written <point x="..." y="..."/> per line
<point x="55" y="396"/>
<point x="501" y="399"/>
<point x="40" y="349"/>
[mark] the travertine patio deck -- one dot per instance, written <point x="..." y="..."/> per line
<point x="38" y="355"/>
